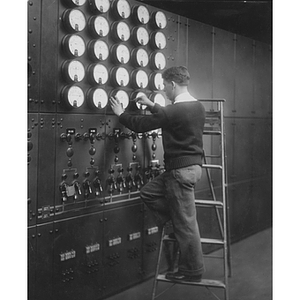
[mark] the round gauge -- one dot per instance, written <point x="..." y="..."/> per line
<point x="158" y="40"/>
<point x="98" y="74"/>
<point x="158" y="98"/>
<point x="159" y="20"/>
<point x="101" y="6"/>
<point x="158" y="60"/>
<point x="156" y="81"/>
<point x="122" y="9"/>
<point x="135" y="95"/>
<point x="99" y="26"/>
<point x="120" y="54"/>
<point x="73" y="71"/>
<point x="141" y="14"/>
<point x="140" y="57"/>
<point x="121" y="31"/>
<point x="97" y="98"/>
<point x="74" y="19"/>
<point x="120" y="76"/>
<point x="140" y="36"/>
<point x="98" y="50"/>
<point x="139" y="79"/>
<point x="122" y="96"/>
<point x="73" y="95"/>
<point x="75" y="2"/>
<point x="74" y="45"/>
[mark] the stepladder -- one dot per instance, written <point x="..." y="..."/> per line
<point x="214" y="198"/>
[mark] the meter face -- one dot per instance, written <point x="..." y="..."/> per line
<point x="100" y="26"/>
<point x="74" y="96"/>
<point x="160" y="40"/>
<point x="102" y="5"/>
<point x="159" y="61"/>
<point x="158" y="82"/>
<point x="76" y="2"/>
<point x="100" y="50"/>
<point x="74" y="70"/>
<point x="123" y="97"/>
<point x="75" y="19"/>
<point x="160" y="99"/>
<point x="122" y="76"/>
<point x="139" y="105"/>
<point x="160" y="20"/>
<point x="122" y="54"/>
<point x="142" y="36"/>
<point x="122" y="31"/>
<point x="100" y="74"/>
<point x="142" y="57"/>
<point x="123" y="9"/>
<point x="74" y="45"/>
<point x="99" y="98"/>
<point x="143" y="14"/>
<point x="141" y="79"/>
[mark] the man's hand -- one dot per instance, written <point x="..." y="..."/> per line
<point x="116" y="106"/>
<point x="143" y="100"/>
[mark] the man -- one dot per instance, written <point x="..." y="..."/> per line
<point x="170" y="196"/>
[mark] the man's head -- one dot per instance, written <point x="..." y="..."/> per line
<point x="176" y="81"/>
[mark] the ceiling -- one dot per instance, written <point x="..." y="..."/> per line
<point x="250" y="18"/>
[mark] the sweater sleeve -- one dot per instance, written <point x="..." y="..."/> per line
<point x="144" y="123"/>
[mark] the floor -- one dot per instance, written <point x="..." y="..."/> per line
<point x="251" y="276"/>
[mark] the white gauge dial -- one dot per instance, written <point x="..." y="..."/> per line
<point x="123" y="97"/>
<point x="121" y="53"/>
<point x="98" y="50"/>
<point x="140" y="57"/>
<point x="99" y="74"/>
<point x="120" y="76"/>
<point x="143" y="14"/>
<point x="140" y="36"/>
<point x="74" y="45"/>
<point x="99" y="26"/>
<point x="74" y="96"/>
<point x="160" y="19"/>
<point x="75" y="2"/>
<point x="156" y="81"/>
<point x="158" y="40"/>
<point x="137" y="95"/>
<point x="101" y="5"/>
<point x="158" y="60"/>
<point x="98" y="98"/>
<point x="74" y="71"/>
<point x="121" y="31"/>
<point x="140" y="79"/>
<point x="74" y="19"/>
<point x="159" y="99"/>
<point x="123" y="9"/>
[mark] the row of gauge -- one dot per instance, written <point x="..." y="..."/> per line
<point x="98" y="50"/>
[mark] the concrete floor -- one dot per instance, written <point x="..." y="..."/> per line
<point x="251" y="277"/>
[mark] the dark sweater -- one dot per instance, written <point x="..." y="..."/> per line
<point x="182" y="128"/>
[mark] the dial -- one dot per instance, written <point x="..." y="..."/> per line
<point x="122" y="96"/>
<point x="158" y="98"/>
<point x="136" y="95"/>
<point x="140" y="36"/>
<point x="159" y="20"/>
<point x="75" y="2"/>
<point x="74" y="19"/>
<point x="158" y="60"/>
<point x="99" y="26"/>
<point x="98" y="50"/>
<point x="140" y="57"/>
<point x="158" y="40"/>
<point x="139" y="79"/>
<point x="121" y="31"/>
<point x="98" y="74"/>
<point x="74" y="45"/>
<point x="101" y="6"/>
<point x="98" y="98"/>
<point x="121" y="53"/>
<point x="73" y="95"/>
<point x="73" y="71"/>
<point x="156" y="81"/>
<point x="141" y="14"/>
<point x="120" y="76"/>
<point x="122" y="9"/>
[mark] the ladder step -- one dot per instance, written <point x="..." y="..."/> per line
<point x="203" y="282"/>
<point x="203" y="240"/>
<point x="211" y="132"/>
<point x="209" y="202"/>
<point x="211" y="166"/>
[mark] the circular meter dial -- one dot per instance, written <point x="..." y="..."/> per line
<point x="121" y="53"/>
<point x="158" y="98"/>
<point x="99" y="26"/>
<point x="137" y="95"/>
<point x="74" y="45"/>
<point x="121" y="31"/>
<point x="159" y="20"/>
<point x="98" y="98"/>
<point x="156" y="81"/>
<point x="120" y="76"/>
<point x="139" y="79"/>
<point x="140" y="57"/>
<point x="74" y="71"/>
<point x="74" y="96"/>
<point x="122" y="9"/>
<point x="74" y="19"/>
<point x="122" y="96"/>
<point x="158" y="40"/>
<point x="141" y="14"/>
<point x="75" y="2"/>
<point x="140" y="36"/>
<point x="98" y="74"/>
<point x="158" y="61"/>
<point x="98" y="50"/>
<point x="101" y="6"/>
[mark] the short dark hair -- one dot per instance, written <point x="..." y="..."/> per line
<point x="179" y="75"/>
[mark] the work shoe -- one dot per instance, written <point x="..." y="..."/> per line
<point x="177" y="276"/>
